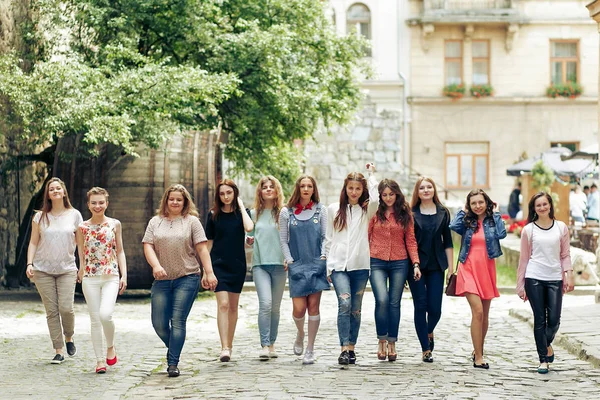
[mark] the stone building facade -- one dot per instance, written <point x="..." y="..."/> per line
<point x="520" y="48"/>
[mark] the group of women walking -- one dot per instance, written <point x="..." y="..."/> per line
<point x="372" y="234"/>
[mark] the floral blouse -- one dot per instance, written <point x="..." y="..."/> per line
<point x="100" y="248"/>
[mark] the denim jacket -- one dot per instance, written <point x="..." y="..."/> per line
<point x="493" y="228"/>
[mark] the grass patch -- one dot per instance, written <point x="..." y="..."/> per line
<point x="207" y="294"/>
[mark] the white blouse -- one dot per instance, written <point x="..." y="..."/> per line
<point x="544" y="264"/>
<point x="55" y="252"/>
<point x="348" y="250"/>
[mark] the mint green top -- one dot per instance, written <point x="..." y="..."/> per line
<point x="267" y="246"/>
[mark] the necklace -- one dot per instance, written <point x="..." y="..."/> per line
<point x="59" y="215"/>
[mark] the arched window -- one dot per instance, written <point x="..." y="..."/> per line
<point x="358" y="19"/>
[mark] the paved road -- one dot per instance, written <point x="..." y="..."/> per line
<point x="141" y="372"/>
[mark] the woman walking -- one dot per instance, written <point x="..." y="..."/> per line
<point x="348" y="260"/>
<point x="51" y="264"/>
<point x="436" y="253"/>
<point x="100" y="246"/>
<point x="481" y="229"/>
<point x="393" y="247"/>
<point x="302" y="226"/>
<point x="226" y="227"/>
<point x="544" y="272"/>
<point x="268" y="271"/>
<point x="173" y="239"/>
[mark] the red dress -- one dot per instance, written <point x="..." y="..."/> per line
<point x="478" y="273"/>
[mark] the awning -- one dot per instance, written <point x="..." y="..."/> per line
<point x="573" y="167"/>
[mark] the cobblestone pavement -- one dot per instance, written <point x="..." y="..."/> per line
<point x="26" y="371"/>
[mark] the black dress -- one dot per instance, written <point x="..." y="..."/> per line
<point x="227" y="254"/>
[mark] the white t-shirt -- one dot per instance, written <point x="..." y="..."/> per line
<point x="55" y="252"/>
<point x="544" y="264"/>
<point x="577" y="203"/>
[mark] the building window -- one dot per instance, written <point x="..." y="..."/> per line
<point x="467" y="164"/>
<point x="481" y="62"/>
<point x="573" y="146"/>
<point x="564" y="61"/>
<point x="358" y="19"/>
<point x="453" y="61"/>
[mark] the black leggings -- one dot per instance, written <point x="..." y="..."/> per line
<point x="545" y="298"/>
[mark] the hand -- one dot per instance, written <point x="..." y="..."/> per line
<point x="80" y="275"/>
<point x="522" y="295"/>
<point x="209" y="281"/>
<point x="417" y="272"/>
<point x="570" y="283"/>
<point x="285" y="265"/>
<point x="249" y="240"/>
<point x="449" y="274"/>
<point x="159" y="272"/>
<point x="240" y="203"/>
<point x="29" y="271"/>
<point x="122" y="284"/>
<point x="370" y="167"/>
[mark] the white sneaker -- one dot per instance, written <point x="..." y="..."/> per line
<point x="299" y="345"/>
<point x="263" y="354"/>
<point x="273" y="353"/>
<point x="309" y="358"/>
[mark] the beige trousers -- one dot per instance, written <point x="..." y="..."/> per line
<point x="57" y="293"/>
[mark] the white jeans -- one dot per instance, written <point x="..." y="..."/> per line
<point x="101" y="295"/>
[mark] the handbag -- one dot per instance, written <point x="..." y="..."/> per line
<point x="451" y="287"/>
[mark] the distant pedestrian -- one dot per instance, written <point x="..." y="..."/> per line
<point x="481" y="229"/>
<point x="393" y="247"/>
<point x="593" y="203"/>
<point x="268" y="271"/>
<point x="514" y="202"/>
<point x="173" y="242"/>
<point x="102" y="273"/>
<point x="348" y="260"/>
<point x="302" y="227"/>
<point x="436" y="254"/>
<point x="544" y="272"/>
<point x="226" y="227"/>
<point x="51" y="264"/>
<point x="577" y="204"/>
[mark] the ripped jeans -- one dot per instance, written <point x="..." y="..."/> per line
<point x="349" y="288"/>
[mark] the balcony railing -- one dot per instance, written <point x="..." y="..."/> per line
<point x="463" y="5"/>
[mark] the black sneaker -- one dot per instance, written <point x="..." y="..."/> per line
<point x="352" y="356"/>
<point x="58" y="359"/>
<point x="71" y="349"/>
<point x="344" y="358"/>
<point x="173" y="371"/>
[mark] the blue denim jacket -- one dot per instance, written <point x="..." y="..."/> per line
<point x="493" y="233"/>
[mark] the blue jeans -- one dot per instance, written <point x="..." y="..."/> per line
<point x="349" y="288"/>
<point x="270" y="283"/>
<point x="427" y="294"/>
<point x="387" y="302"/>
<point x="172" y="302"/>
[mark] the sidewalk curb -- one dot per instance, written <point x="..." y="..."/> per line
<point x="574" y="346"/>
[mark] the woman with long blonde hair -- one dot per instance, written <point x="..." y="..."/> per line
<point x="268" y="272"/>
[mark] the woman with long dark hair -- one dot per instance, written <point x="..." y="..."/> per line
<point x="481" y="229"/>
<point x="268" y="271"/>
<point x="393" y="246"/>
<point x="226" y="227"/>
<point x="348" y="261"/>
<point x="302" y="225"/>
<point x="544" y="272"/>
<point x="51" y="264"/>
<point x="436" y="254"/>
<point x="173" y="242"/>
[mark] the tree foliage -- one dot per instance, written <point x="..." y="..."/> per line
<point x="267" y="71"/>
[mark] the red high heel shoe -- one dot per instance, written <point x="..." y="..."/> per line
<point x="112" y="361"/>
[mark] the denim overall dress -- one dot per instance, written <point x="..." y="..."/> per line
<point x="308" y="273"/>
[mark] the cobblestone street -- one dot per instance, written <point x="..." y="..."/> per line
<point x="141" y="371"/>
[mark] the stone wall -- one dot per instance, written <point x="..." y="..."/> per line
<point x="375" y="136"/>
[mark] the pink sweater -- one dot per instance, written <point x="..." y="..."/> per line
<point x="565" y="254"/>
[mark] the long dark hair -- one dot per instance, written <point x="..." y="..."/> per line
<point x="341" y="219"/>
<point x="471" y="218"/>
<point x="532" y="216"/>
<point x="295" y="198"/>
<point x="402" y="212"/>
<point x="216" y="209"/>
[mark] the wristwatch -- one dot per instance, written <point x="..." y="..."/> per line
<point x="416" y="265"/>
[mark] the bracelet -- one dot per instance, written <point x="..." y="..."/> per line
<point x="416" y="265"/>
<point x="29" y="265"/>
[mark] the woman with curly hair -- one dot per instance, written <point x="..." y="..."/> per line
<point x="268" y="271"/>
<point x="393" y="246"/>
<point x="481" y="229"/>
